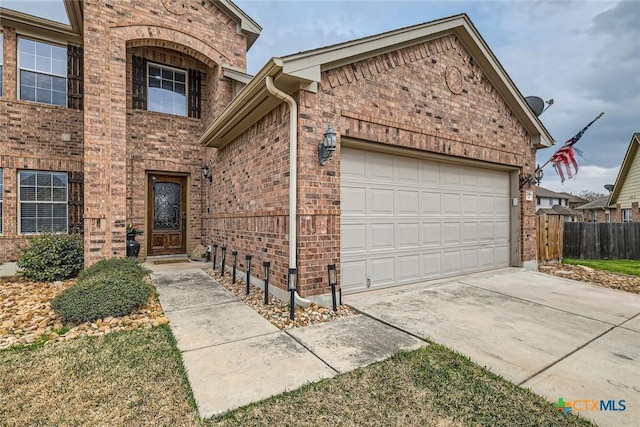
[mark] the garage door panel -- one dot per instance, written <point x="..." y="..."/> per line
<point x="382" y="271"/>
<point x="408" y="268"/>
<point x="431" y="264"/>
<point x="470" y="204"/>
<point x="380" y="167"/>
<point x="411" y="219"/>
<point x="381" y="236"/>
<point x="353" y="201"/>
<point x="406" y="171"/>
<point x="431" y="234"/>
<point x="451" y="204"/>
<point x="451" y="262"/>
<point x="408" y="202"/>
<point x="354" y="275"/>
<point x="381" y="201"/>
<point x="357" y="165"/>
<point x="470" y="232"/>
<point x="354" y="238"/>
<point x="451" y="233"/>
<point x="501" y="229"/>
<point x="430" y="173"/>
<point x="431" y="204"/>
<point x="450" y="174"/>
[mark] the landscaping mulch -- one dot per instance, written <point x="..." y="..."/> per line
<point x="26" y="316"/>
<point x="604" y="278"/>
<point x="277" y="311"/>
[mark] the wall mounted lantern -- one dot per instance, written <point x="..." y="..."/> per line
<point x="327" y="146"/>
<point x="206" y="173"/>
<point x="530" y="180"/>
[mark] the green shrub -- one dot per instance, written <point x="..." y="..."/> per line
<point x="126" y="266"/>
<point x="113" y="287"/>
<point x="50" y="257"/>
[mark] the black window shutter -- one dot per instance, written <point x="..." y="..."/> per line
<point x="195" y="96"/>
<point x="139" y="86"/>
<point x="74" y="77"/>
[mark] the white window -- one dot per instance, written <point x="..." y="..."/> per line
<point x="550" y="202"/>
<point x="43" y="202"/>
<point x="595" y="216"/>
<point x="166" y="89"/>
<point x="1" y="56"/>
<point x="607" y="217"/>
<point x="626" y="215"/>
<point x="1" y="195"/>
<point x="43" y="72"/>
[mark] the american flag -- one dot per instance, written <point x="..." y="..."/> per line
<point x="565" y="158"/>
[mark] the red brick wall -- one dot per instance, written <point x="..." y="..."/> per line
<point x="398" y="99"/>
<point x="203" y="33"/>
<point x="401" y="99"/>
<point x="248" y="202"/>
<point x="30" y="138"/>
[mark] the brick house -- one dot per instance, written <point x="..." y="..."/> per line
<point x="133" y="100"/>
<point x="622" y="203"/>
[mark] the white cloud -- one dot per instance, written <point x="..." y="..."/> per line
<point x="589" y="178"/>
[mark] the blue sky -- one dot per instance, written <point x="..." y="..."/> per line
<point x="583" y="54"/>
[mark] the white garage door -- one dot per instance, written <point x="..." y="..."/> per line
<point x="405" y="220"/>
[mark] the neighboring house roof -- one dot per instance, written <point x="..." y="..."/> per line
<point x="628" y="180"/>
<point x="544" y="192"/>
<point x="599" y="203"/>
<point x="558" y="210"/>
<point x="303" y="71"/>
<point x="574" y="199"/>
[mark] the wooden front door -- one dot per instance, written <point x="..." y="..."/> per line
<point x="167" y="214"/>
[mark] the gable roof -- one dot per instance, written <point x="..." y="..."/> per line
<point x="73" y="31"/>
<point x="544" y="192"/>
<point x="629" y="157"/>
<point x="303" y="71"/>
<point x="599" y="203"/>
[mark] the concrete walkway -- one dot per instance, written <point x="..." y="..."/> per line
<point x="233" y="356"/>
<point x="558" y="337"/>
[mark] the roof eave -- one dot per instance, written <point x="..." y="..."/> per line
<point x="36" y="26"/>
<point x="246" y="26"/>
<point x="624" y="169"/>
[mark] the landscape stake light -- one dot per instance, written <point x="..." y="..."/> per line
<point x="267" y="267"/>
<point x="235" y="263"/>
<point x="333" y="281"/>
<point x="223" y="257"/>
<point x="292" y="283"/>
<point x="215" y="253"/>
<point x="248" y="259"/>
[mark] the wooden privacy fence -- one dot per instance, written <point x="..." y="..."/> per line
<point x="549" y="236"/>
<point x="606" y="240"/>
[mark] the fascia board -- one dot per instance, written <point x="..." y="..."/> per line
<point x="39" y="27"/>
<point x="624" y="168"/>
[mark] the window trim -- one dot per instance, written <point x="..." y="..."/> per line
<point x="624" y="212"/>
<point x="20" y="202"/>
<point x="186" y="86"/>
<point x="594" y="216"/>
<point x="19" y="69"/>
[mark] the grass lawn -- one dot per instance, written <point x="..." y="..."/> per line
<point x="624" y="266"/>
<point x="137" y="378"/>
<point x="121" y="379"/>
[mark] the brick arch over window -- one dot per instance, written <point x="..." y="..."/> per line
<point x="158" y="36"/>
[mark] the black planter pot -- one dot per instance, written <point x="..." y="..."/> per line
<point x="133" y="247"/>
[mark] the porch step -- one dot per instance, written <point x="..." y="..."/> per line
<point x="168" y="259"/>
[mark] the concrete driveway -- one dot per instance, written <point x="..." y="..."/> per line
<point x="558" y="337"/>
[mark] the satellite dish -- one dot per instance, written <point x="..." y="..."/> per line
<point x="536" y="104"/>
<point x="608" y="187"/>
